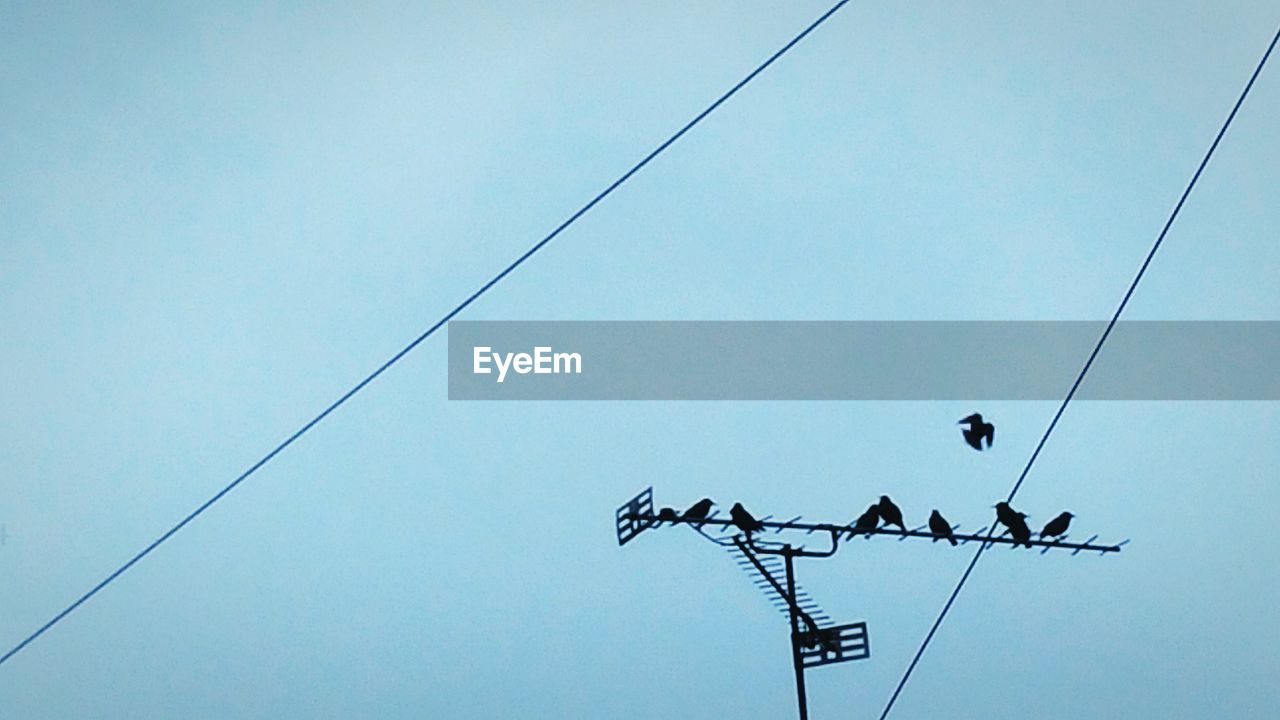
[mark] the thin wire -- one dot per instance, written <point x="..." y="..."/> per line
<point x="1083" y="371"/>
<point x="418" y="340"/>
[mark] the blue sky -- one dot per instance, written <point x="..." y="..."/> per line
<point x="214" y="220"/>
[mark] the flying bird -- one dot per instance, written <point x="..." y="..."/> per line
<point x="1015" y="521"/>
<point x="977" y="431"/>
<point x="1057" y="527"/>
<point x="940" y="528"/>
<point x="744" y="520"/>
<point x="868" y="520"/>
<point x="699" y="510"/>
<point x="890" y="512"/>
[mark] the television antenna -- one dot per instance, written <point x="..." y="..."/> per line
<point x="769" y="557"/>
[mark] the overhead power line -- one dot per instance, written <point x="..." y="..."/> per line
<point x="946" y="608"/>
<point x="426" y="334"/>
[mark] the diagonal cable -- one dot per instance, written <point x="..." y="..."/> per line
<point x="946" y="608"/>
<point x="418" y="340"/>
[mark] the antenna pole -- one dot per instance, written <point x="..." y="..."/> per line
<point x="795" y="634"/>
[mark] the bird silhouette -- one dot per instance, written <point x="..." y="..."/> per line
<point x="868" y="520"/>
<point x="1057" y="526"/>
<point x="830" y="642"/>
<point x="940" y="528"/>
<point x="699" y="510"/>
<point x="977" y="431"/>
<point x="667" y="514"/>
<point x="890" y="513"/>
<point x="815" y="636"/>
<point x="1015" y="521"/>
<point x="743" y="519"/>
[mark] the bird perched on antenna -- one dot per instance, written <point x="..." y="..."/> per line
<point x="940" y="528"/>
<point x="867" y="521"/>
<point x="978" y="431"/>
<point x="816" y="636"/>
<point x="699" y="510"/>
<point x="1057" y="527"/>
<point x="667" y="514"/>
<point x="890" y="513"/>
<point x="1015" y="521"/>
<point x="744" y="520"/>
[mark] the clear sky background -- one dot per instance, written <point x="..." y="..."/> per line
<point x="214" y="219"/>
